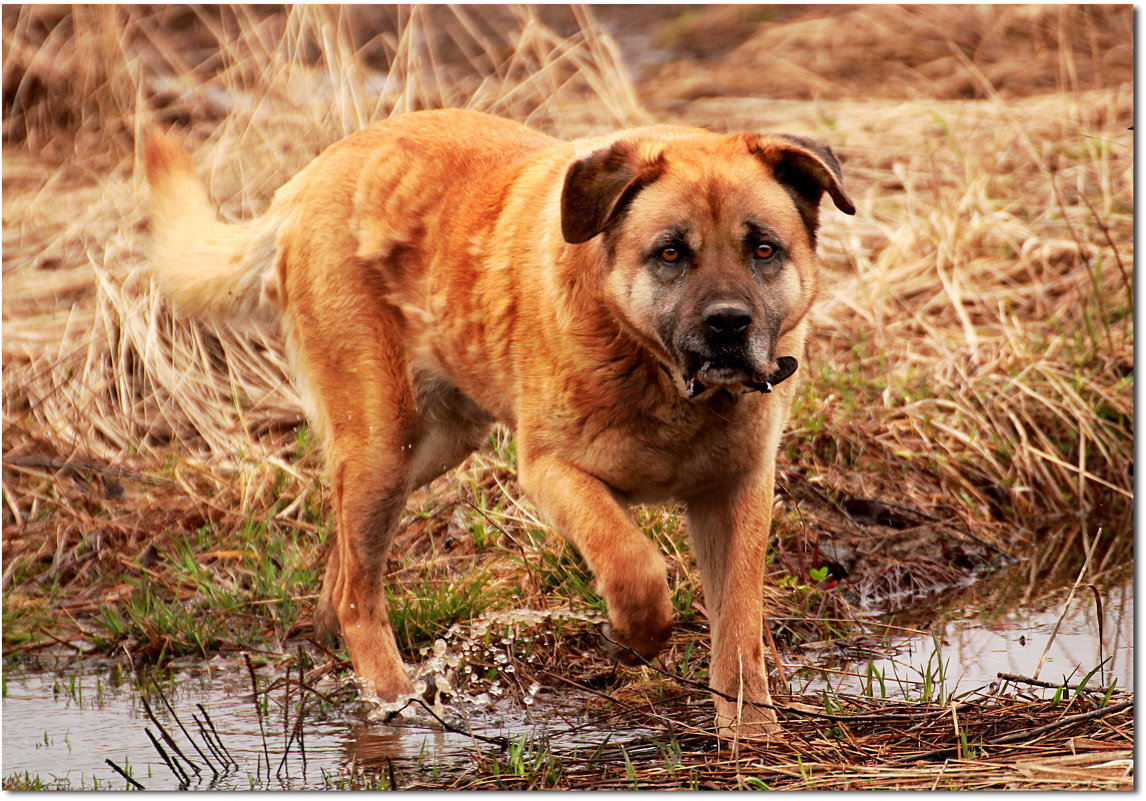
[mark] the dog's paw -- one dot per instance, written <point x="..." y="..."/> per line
<point x="746" y="722"/>
<point x="634" y="648"/>
<point x="326" y="628"/>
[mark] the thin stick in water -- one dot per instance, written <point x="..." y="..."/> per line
<point x="210" y="745"/>
<point x="182" y="728"/>
<point x="171" y="765"/>
<point x="123" y="773"/>
<point x="1069" y="598"/>
<point x="258" y="711"/>
<point x="301" y="710"/>
<point x="218" y="739"/>
<point x="167" y="738"/>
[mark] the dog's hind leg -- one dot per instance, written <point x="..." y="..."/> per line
<point x="450" y="427"/>
<point x="356" y="370"/>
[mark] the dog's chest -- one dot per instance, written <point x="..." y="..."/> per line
<point x="652" y="461"/>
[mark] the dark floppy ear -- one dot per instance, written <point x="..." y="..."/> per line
<point x="599" y="186"/>
<point x="806" y="167"/>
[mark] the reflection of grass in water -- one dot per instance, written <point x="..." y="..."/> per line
<point x="914" y="664"/>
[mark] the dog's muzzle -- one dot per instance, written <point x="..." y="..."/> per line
<point x="785" y="367"/>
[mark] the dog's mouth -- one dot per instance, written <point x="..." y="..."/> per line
<point x="703" y="374"/>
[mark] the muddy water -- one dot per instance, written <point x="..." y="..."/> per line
<point x="62" y="724"/>
<point x="62" y="720"/>
<point x="974" y="643"/>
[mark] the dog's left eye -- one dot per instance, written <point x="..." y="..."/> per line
<point x="764" y="251"/>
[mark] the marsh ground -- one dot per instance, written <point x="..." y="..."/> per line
<point x="967" y="411"/>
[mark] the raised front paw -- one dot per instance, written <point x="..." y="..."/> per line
<point x="635" y="645"/>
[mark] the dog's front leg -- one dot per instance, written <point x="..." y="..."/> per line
<point x="729" y="529"/>
<point x="630" y="570"/>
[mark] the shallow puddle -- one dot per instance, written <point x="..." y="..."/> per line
<point x="65" y="724"/>
<point x="63" y="721"/>
<point x="975" y="644"/>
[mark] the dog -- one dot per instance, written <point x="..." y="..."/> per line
<point x="629" y="305"/>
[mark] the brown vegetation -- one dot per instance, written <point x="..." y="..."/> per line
<point x="972" y="375"/>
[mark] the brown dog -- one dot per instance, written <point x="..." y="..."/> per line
<point x="615" y="301"/>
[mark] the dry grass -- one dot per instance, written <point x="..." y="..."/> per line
<point x="991" y="280"/>
<point x="95" y="367"/>
<point x="902" y="52"/>
<point x="984" y="743"/>
<point x="974" y="355"/>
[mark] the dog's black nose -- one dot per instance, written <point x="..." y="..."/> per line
<point x="726" y="318"/>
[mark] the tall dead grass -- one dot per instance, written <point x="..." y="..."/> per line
<point x="993" y="282"/>
<point x="977" y="320"/>
<point x="111" y="376"/>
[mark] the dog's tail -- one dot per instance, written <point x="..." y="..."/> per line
<point x="206" y="268"/>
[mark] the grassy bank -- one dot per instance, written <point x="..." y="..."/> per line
<point x="968" y="396"/>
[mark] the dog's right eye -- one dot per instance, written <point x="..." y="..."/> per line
<point x="670" y="255"/>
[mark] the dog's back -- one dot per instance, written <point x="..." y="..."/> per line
<point x="375" y="185"/>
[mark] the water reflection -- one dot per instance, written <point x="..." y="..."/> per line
<point x="67" y="720"/>
<point x="977" y="644"/>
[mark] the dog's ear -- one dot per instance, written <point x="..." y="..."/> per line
<point x="598" y="187"/>
<point x="807" y="167"/>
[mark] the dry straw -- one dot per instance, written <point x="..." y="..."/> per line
<point x="974" y="348"/>
<point x="111" y="377"/>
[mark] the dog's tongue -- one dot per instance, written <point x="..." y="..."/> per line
<point x="695" y="385"/>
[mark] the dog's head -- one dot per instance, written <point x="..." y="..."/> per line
<point x="708" y="244"/>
